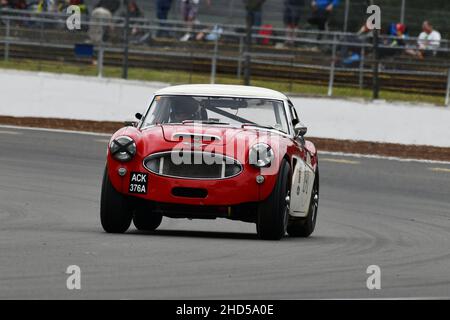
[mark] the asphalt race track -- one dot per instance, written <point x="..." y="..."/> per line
<point x="372" y="212"/>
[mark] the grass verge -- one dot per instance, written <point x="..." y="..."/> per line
<point x="182" y="77"/>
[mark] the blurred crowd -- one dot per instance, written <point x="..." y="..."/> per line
<point x="396" y="42"/>
<point x="43" y="5"/>
<point x="297" y="14"/>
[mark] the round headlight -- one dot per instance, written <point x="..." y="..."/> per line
<point x="261" y="155"/>
<point x="123" y="148"/>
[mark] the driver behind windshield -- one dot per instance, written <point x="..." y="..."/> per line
<point x="183" y="109"/>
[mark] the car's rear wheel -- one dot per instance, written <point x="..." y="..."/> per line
<point x="115" y="210"/>
<point x="146" y="221"/>
<point x="304" y="227"/>
<point x="273" y="212"/>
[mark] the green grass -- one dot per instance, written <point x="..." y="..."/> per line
<point x="180" y="77"/>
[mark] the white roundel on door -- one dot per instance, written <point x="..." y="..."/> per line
<point x="302" y="183"/>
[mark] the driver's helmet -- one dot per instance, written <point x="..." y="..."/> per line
<point x="184" y="108"/>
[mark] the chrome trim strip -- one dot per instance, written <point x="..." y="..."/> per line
<point x="196" y="135"/>
<point x="222" y="173"/>
<point x="161" y="165"/>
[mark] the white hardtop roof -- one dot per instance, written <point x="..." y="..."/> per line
<point x="222" y="90"/>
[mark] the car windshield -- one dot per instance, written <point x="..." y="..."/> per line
<point x="264" y="113"/>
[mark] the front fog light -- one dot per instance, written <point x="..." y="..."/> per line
<point x="261" y="155"/>
<point x="123" y="148"/>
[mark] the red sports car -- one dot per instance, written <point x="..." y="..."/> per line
<point x="213" y="151"/>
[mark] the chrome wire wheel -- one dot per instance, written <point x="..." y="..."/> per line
<point x="314" y="204"/>
<point x="287" y="208"/>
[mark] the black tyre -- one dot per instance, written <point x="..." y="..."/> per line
<point x="146" y="221"/>
<point x="115" y="211"/>
<point x="304" y="227"/>
<point x="273" y="212"/>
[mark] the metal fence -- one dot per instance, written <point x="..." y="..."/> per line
<point x="347" y="16"/>
<point x="312" y="57"/>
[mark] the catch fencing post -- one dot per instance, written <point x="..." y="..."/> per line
<point x="126" y="40"/>
<point x="241" y="51"/>
<point x="248" y="48"/>
<point x="214" y="60"/>
<point x="376" y="65"/>
<point x="191" y="58"/>
<point x="346" y="13"/>
<point x="402" y="13"/>
<point x="332" y="68"/>
<point x="361" y="67"/>
<point x="447" y="96"/>
<point x="8" y="33"/>
<point x="100" y="60"/>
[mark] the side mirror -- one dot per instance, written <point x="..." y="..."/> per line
<point x="130" y="123"/>
<point x="133" y="123"/>
<point x="300" y="130"/>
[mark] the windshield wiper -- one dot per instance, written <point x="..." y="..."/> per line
<point x="261" y="126"/>
<point x="205" y="122"/>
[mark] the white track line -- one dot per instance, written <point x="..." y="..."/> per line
<point x="446" y="170"/>
<point x="374" y="156"/>
<point x="56" y="130"/>
<point x="341" y="161"/>
<point x="102" y="140"/>
<point x="388" y="299"/>
<point x="10" y="132"/>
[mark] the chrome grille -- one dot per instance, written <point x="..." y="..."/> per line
<point x="192" y="165"/>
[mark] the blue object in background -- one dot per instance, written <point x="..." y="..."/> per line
<point x="84" y="50"/>
<point x="393" y="29"/>
<point x="352" y="59"/>
<point x="323" y="4"/>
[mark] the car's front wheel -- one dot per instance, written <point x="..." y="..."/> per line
<point x="146" y="221"/>
<point x="304" y="227"/>
<point x="115" y="210"/>
<point x="273" y="212"/>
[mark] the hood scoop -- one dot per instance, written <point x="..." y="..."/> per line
<point x="198" y="135"/>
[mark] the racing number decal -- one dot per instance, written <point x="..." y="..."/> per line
<point x="138" y="183"/>
<point x="301" y="189"/>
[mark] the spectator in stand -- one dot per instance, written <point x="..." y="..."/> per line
<point x="134" y="10"/>
<point x="101" y="18"/>
<point x="135" y="13"/>
<point x="80" y="3"/>
<point x="210" y="34"/>
<point x="429" y="41"/>
<point x="291" y="17"/>
<point x="47" y="6"/>
<point x="254" y="12"/>
<point x="395" y="45"/>
<point x="321" y="10"/>
<point x="110" y="5"/>
<point x="162" y="13"/>
<point x="189" y="12"/>
<point x="13" y="4"/>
